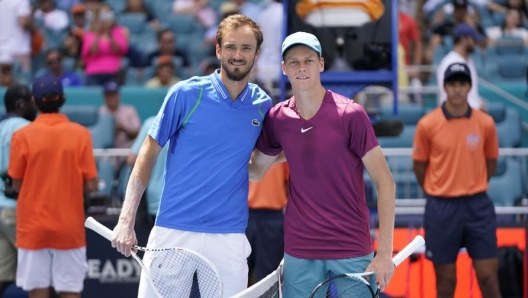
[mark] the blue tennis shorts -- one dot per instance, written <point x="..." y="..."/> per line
<point x="453" y="223"/>
<point x="301" y="276"/>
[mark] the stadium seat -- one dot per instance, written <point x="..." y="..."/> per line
<point x="404" y="140"/>
<point x="135" y="22"/>
<point x="101" y="126"/>
<point x="105" y="173"/>
<point x="505" y="186"/>
<point x="408" y="114"/>
<point x="508" y="45"/>
<point x="117" y="5"/>
<point x="508" y="124"/>
<point x="183" y="23"/>
<point x="122" y="180"/>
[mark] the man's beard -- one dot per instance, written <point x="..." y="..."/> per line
<point x="236" y="75"/>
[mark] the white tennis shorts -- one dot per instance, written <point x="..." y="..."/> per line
<point x="64" y="270"/>
<point x="228" y="252"/>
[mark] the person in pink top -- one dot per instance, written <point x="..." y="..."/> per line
<point x="327" y="140"/>
<point x="103" y="47"/>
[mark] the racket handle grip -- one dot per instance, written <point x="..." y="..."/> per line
<point x="96" y="226"/>
<point x="408" y="250"/>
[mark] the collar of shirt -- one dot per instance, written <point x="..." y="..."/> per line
<point x="222" y="90"/>
<point x="449" y="116"/>
<point x="51" y="118"/>
<point x="9" y="115"/>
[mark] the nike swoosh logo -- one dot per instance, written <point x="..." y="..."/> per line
<point x="305" y="130"/>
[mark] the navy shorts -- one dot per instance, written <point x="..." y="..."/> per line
<point x="453" y="223"/>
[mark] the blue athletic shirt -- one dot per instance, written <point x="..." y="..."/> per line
<point x="205" y="188"/>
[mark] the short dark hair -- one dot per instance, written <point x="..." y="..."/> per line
<point x="50" y="106"/>
<point x="163" y="31"/>
<point x="14" y="93"/>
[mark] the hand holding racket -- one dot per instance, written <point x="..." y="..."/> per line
<point x="174" y="272"/>
<point x="353" y="285"/>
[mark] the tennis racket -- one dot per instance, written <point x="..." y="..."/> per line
<point x="351" y="285"/>
<point x="174" y="272"/>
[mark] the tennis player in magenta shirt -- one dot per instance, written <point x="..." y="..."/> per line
<point x="212" y="123"/>
<point x="327" y="140"/>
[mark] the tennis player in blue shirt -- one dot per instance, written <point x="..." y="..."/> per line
<point x="212" y="123"/>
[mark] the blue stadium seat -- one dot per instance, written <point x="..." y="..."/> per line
<point x="135" y="22"/>
<point x="100" y="125"/>
<point x="505" y="186"/>
<point x="106" y="174"/>
<point x="508" y="45"/>
<point x="182" y="23"/>
<point x="404" y="140"/>
<point x="122" y="181"/>
<point x="117" y="5"/>
<point x="508" y="123"/>
<point x="408" y="114"/>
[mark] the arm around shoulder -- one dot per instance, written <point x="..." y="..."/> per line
<point x="260" y="164"/>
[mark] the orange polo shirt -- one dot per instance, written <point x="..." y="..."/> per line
<point x="456" y="149"/>
<point x="53" y="157"/>
<point x="271" y="192"/>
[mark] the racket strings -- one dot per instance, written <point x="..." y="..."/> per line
<point x="176" y="273"/>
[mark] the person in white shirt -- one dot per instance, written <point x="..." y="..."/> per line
<point x="54" y="19"/>
<point x="512" y="27"/>
<point x="15" y="24"/>
<point x="465" y="39"/>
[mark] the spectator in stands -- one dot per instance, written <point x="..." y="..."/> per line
<point x="265" y="231"/>
<point x="210" y="67"/>
<point x="455" y="154"/>
<point x="55" y="69"/>
<point x="66" y="5"/>
<point x="411" y="41"/>
<point x="165" y="74"/>
<point x="268" y="71"/>
<point x="52" y="18"/>
<point x="325" y="205"/>
<point x="512" y="27"/>
<point x="248" y="8"/>
<point x="155" y="186"/>
<point x="167" y="46"/>
<point x="201" y="10"/>
<point x="227" y="8"/>
<point x="78" y="15"/>
<point x="50" y="228"/>
<point x="20" y="111"/>
<point x="465" y="39"/>
<point x="444" y="29"/>
<point x="127" y="122"/>
<point x="6" y="68"/>
<point x="16" y="25"/>
<point x="521" y="5"/>
<point x="104" y="47"/>
<point x="138" y="6"/>
<point x="72" y="46"/>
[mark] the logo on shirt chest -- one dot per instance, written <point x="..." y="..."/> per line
<point x="255" y="122"/>
<point x="473" y="141"/>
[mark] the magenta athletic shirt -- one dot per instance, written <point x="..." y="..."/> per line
<point x="105" y="61"/>
<point x="327" y="215"/>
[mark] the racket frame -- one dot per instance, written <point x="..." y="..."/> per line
<point x="403" y="254"/>
<point x="102" y="230"/>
